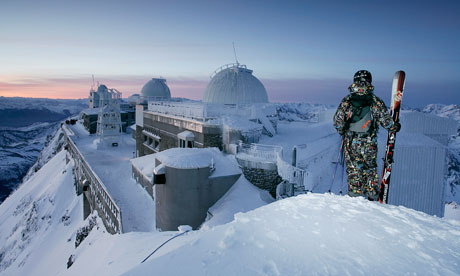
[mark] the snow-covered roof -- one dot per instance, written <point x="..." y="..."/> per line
<point x="235" y="85"/>
<point x="186" y="135"/>
<point x="188" y="158"/>
<point x="156" y="88"/>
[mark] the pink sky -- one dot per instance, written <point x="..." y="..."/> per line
<point x="279" y="90"/>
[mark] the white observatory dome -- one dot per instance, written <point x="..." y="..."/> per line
<point x="234" y="84"/>
<point x="156" y="89"/>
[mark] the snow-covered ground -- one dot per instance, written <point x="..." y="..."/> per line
<point x="113" y="167"/>
<point x="37" y="222"/>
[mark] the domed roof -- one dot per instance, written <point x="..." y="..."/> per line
<point x="102" y="88"/>
<point x="156" y="88"/>
<point x="235" y="84"/>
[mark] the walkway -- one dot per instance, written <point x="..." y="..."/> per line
<point x="113" y="167"/>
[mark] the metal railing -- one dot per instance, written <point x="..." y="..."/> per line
<point x="292" y="174"/>
<point x="268" y="153"/>
<point x="107" y="209"/>
<point x="226" y="66"/>
<point x="209" y="111"/>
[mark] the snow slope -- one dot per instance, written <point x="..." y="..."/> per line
<point x="318" y="234"/>
<point x="38" y="221"/>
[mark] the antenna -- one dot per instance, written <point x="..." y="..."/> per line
<point x="93" y="82"/>
<point x="234" y="52"/>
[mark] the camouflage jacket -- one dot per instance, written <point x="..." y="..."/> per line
<point x="379" y="112"/>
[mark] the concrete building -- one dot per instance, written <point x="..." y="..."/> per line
<point x="187" y="181"/>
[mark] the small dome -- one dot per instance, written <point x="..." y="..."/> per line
<point x="235" y="84"/>
<point x="156" y="89"/>
<point x="102" y="88"/>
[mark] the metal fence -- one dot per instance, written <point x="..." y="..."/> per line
<point x="209" y="111"/>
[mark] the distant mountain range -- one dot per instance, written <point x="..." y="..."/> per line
<point x="26" y="125"/>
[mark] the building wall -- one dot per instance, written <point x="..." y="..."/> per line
<point x="187" y="195"/>
<point x="179" y="201"/>
<point x="419" y="185"/>
<point x="167" y="129"/>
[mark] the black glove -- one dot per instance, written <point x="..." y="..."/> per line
<point x="395" y="127"/>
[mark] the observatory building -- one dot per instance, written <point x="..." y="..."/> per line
<point x="99" y="99"/>
<point x="234" y="84"/>
<point x="235" y="107"/>
<point x="155" y="90"/>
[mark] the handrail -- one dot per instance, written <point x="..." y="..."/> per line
<point x="100" y="189"/>
<point x="225" y="66"/>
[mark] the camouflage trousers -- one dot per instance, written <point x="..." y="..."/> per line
<point x="361" y="161"/>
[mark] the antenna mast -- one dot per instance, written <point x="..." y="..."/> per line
<point x="93" y="82"/>
<point x="234" y="52"/>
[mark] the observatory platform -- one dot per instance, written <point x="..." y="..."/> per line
<point x="112" y="165"/>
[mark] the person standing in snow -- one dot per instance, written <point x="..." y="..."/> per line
<point x="357" y="120"/>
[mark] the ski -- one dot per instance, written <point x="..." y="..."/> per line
<point x="396" y="98"/>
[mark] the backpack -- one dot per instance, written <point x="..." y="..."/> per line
<point x="361" y="119"/>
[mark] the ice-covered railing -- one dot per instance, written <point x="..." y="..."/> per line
<point x="273" y="154"/>
<point x="207" y="111"/>
<point x="105" y="205"/>
<point x="267" y="153"/>
<point x="292" y="174"/>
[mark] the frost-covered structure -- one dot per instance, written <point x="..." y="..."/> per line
<point x="234" y="84"/>
<point x="155" y="89"/>
<point x="435" y="127"/>
<point x="109" y="119"/>
<point x="417" y="180"/>
<point x="188" y="182"/>
<point x="95" y="95"/>
<point x="235" y="108"/>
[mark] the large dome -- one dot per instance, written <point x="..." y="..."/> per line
<point x="235" y="84"/>
<point x="156" y="89"/>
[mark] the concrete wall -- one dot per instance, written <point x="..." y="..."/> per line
<point x="187" y="195"/>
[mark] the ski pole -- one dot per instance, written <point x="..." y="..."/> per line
<point x="343" y="170"/>
<point x="336" y="164"/>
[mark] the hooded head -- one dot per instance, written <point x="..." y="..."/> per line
<point x="362" y="82"/>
